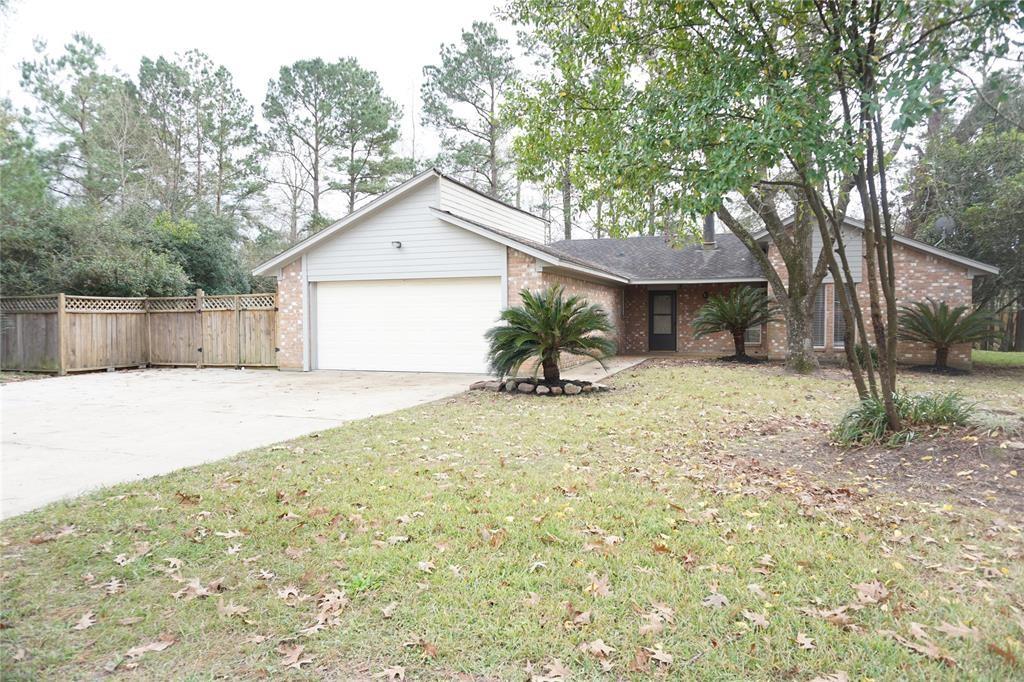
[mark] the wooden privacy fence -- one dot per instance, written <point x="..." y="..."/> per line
<point x="60" y="333"/>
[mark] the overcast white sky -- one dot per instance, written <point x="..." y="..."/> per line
<point x="252" y="38"/>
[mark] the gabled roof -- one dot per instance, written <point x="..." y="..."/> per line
<point x="648" y="260"/>
<point x="857" y="223"/>
<point x="309" y="242"/>
<point x="376" y="204"/>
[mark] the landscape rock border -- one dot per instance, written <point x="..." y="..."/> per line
<point x="531" y="386"/>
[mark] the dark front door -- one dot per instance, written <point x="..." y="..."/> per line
<point x="662" y="320"/>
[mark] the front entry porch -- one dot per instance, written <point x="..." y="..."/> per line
<point x="659" y="319"/>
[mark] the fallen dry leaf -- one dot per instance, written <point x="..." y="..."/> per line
<point x="230" y="609"/>
<point x="804" y="641"/>
<point x="597" y="648"/>
<point x="552" y="671"/>
<point x="873" y="592"/>
<point x="925" y="647"/>
<point x="51" y="535"/>
<point x="161" y="643"/>
<point x="837" y="676"/>
<point x="598" y="586"/>
<point x="659" y="655"/>
<point x="87" y="620"/>
<point x="395" y="672"/>
<point x="292" y="657"/>
<point x="959" y="631"/>
<point x="715" y="600"/>
<point x="757" y="619"/>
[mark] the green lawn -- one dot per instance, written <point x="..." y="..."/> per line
<point x="489" y="535"/>
<point x="995" y="358"/>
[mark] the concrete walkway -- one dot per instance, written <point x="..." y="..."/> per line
<point x="63" y="436"/>
<point x="595" y="373"/>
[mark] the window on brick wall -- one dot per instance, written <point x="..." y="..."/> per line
<point x="753" y="335"/>
<point x="838" y="321"/>
<point x="818" y="320"/>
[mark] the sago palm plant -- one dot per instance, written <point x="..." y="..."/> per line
<point x="936" y="324"/>
<point x="743" y="307"/>
<point x="547" y="324"/>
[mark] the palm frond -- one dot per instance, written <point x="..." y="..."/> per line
<point x="935" y="324"/>
<point x="547" y="324"/>
<point x="743" y="307"/>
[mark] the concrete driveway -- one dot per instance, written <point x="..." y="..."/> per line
<point x="65" y="435"/>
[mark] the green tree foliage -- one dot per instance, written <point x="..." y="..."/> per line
<point x="89" y="212"/>
<point x="462" y="99"/>
<point x="971" y="175"/>
<point x="547" y="324"/>
<point x="93" y="118"/>
<point x="771" y="101"/>
<point x="367" y="133"/>
<point x="937" y="325"/>
<point x="330" y="115"/>
<point x="203" y="148"/>
<point x="301" y="109"/>
<point x="736" y="312"/>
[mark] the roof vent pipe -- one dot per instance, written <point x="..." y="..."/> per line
<point x="709" y="231"/>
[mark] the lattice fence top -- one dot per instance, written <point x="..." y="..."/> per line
<point x="100" y="304"/>
<point x="105" y="304"/>
<point x="219" y="303"/>
<point x="29" y="304"/>
<point x="173" y="304"/>
<point x="256" y="302"/>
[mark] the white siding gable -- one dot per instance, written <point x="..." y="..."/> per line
<point x="430" y="247"/>
<point x="853" y="240"/>
<point x="473" y="206"/>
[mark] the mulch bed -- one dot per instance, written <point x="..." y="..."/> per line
<point x="940" y="371"/>
<point x="743" y="360"/>
<point x="960" y="466"/>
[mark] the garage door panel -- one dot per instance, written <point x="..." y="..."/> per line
<point x="427" y="325"/>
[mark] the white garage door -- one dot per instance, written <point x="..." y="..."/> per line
<point x="407" y="325"/>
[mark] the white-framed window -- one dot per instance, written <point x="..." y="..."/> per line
<point x="753" y="336"/>
<point x="818" y="320"/>
<point x="838" y="321"/>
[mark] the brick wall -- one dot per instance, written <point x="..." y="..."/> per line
<point x="689" y="299"/>
<point x="918" y="276"/>
<point x="524" y="274"/>
<point x="290" y="304"/>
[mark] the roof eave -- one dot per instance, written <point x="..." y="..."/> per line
<point x="524" y="246"/>
<point x="705" y="280"/>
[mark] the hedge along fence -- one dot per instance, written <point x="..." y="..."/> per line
<point x="60" y="333"/>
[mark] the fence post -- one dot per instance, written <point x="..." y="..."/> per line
<point x="238" y="330"/>
<point x="62" y="335"/>
<point x="200" y="329"/>
<point x="149" y="332"/>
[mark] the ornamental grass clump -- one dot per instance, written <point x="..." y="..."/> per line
<point x="866" y="423"/>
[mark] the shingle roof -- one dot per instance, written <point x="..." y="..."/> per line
<point x="655" y="258"/>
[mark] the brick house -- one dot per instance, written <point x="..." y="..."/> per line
<point x="410" y="282"/>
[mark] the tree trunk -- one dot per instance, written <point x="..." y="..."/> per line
<point x="800" y="357"/>
<point x="566" y="200"/>
<point x="739" y="340"/>
<point x="942" y="357"/>
<point x="551" y="372"/>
